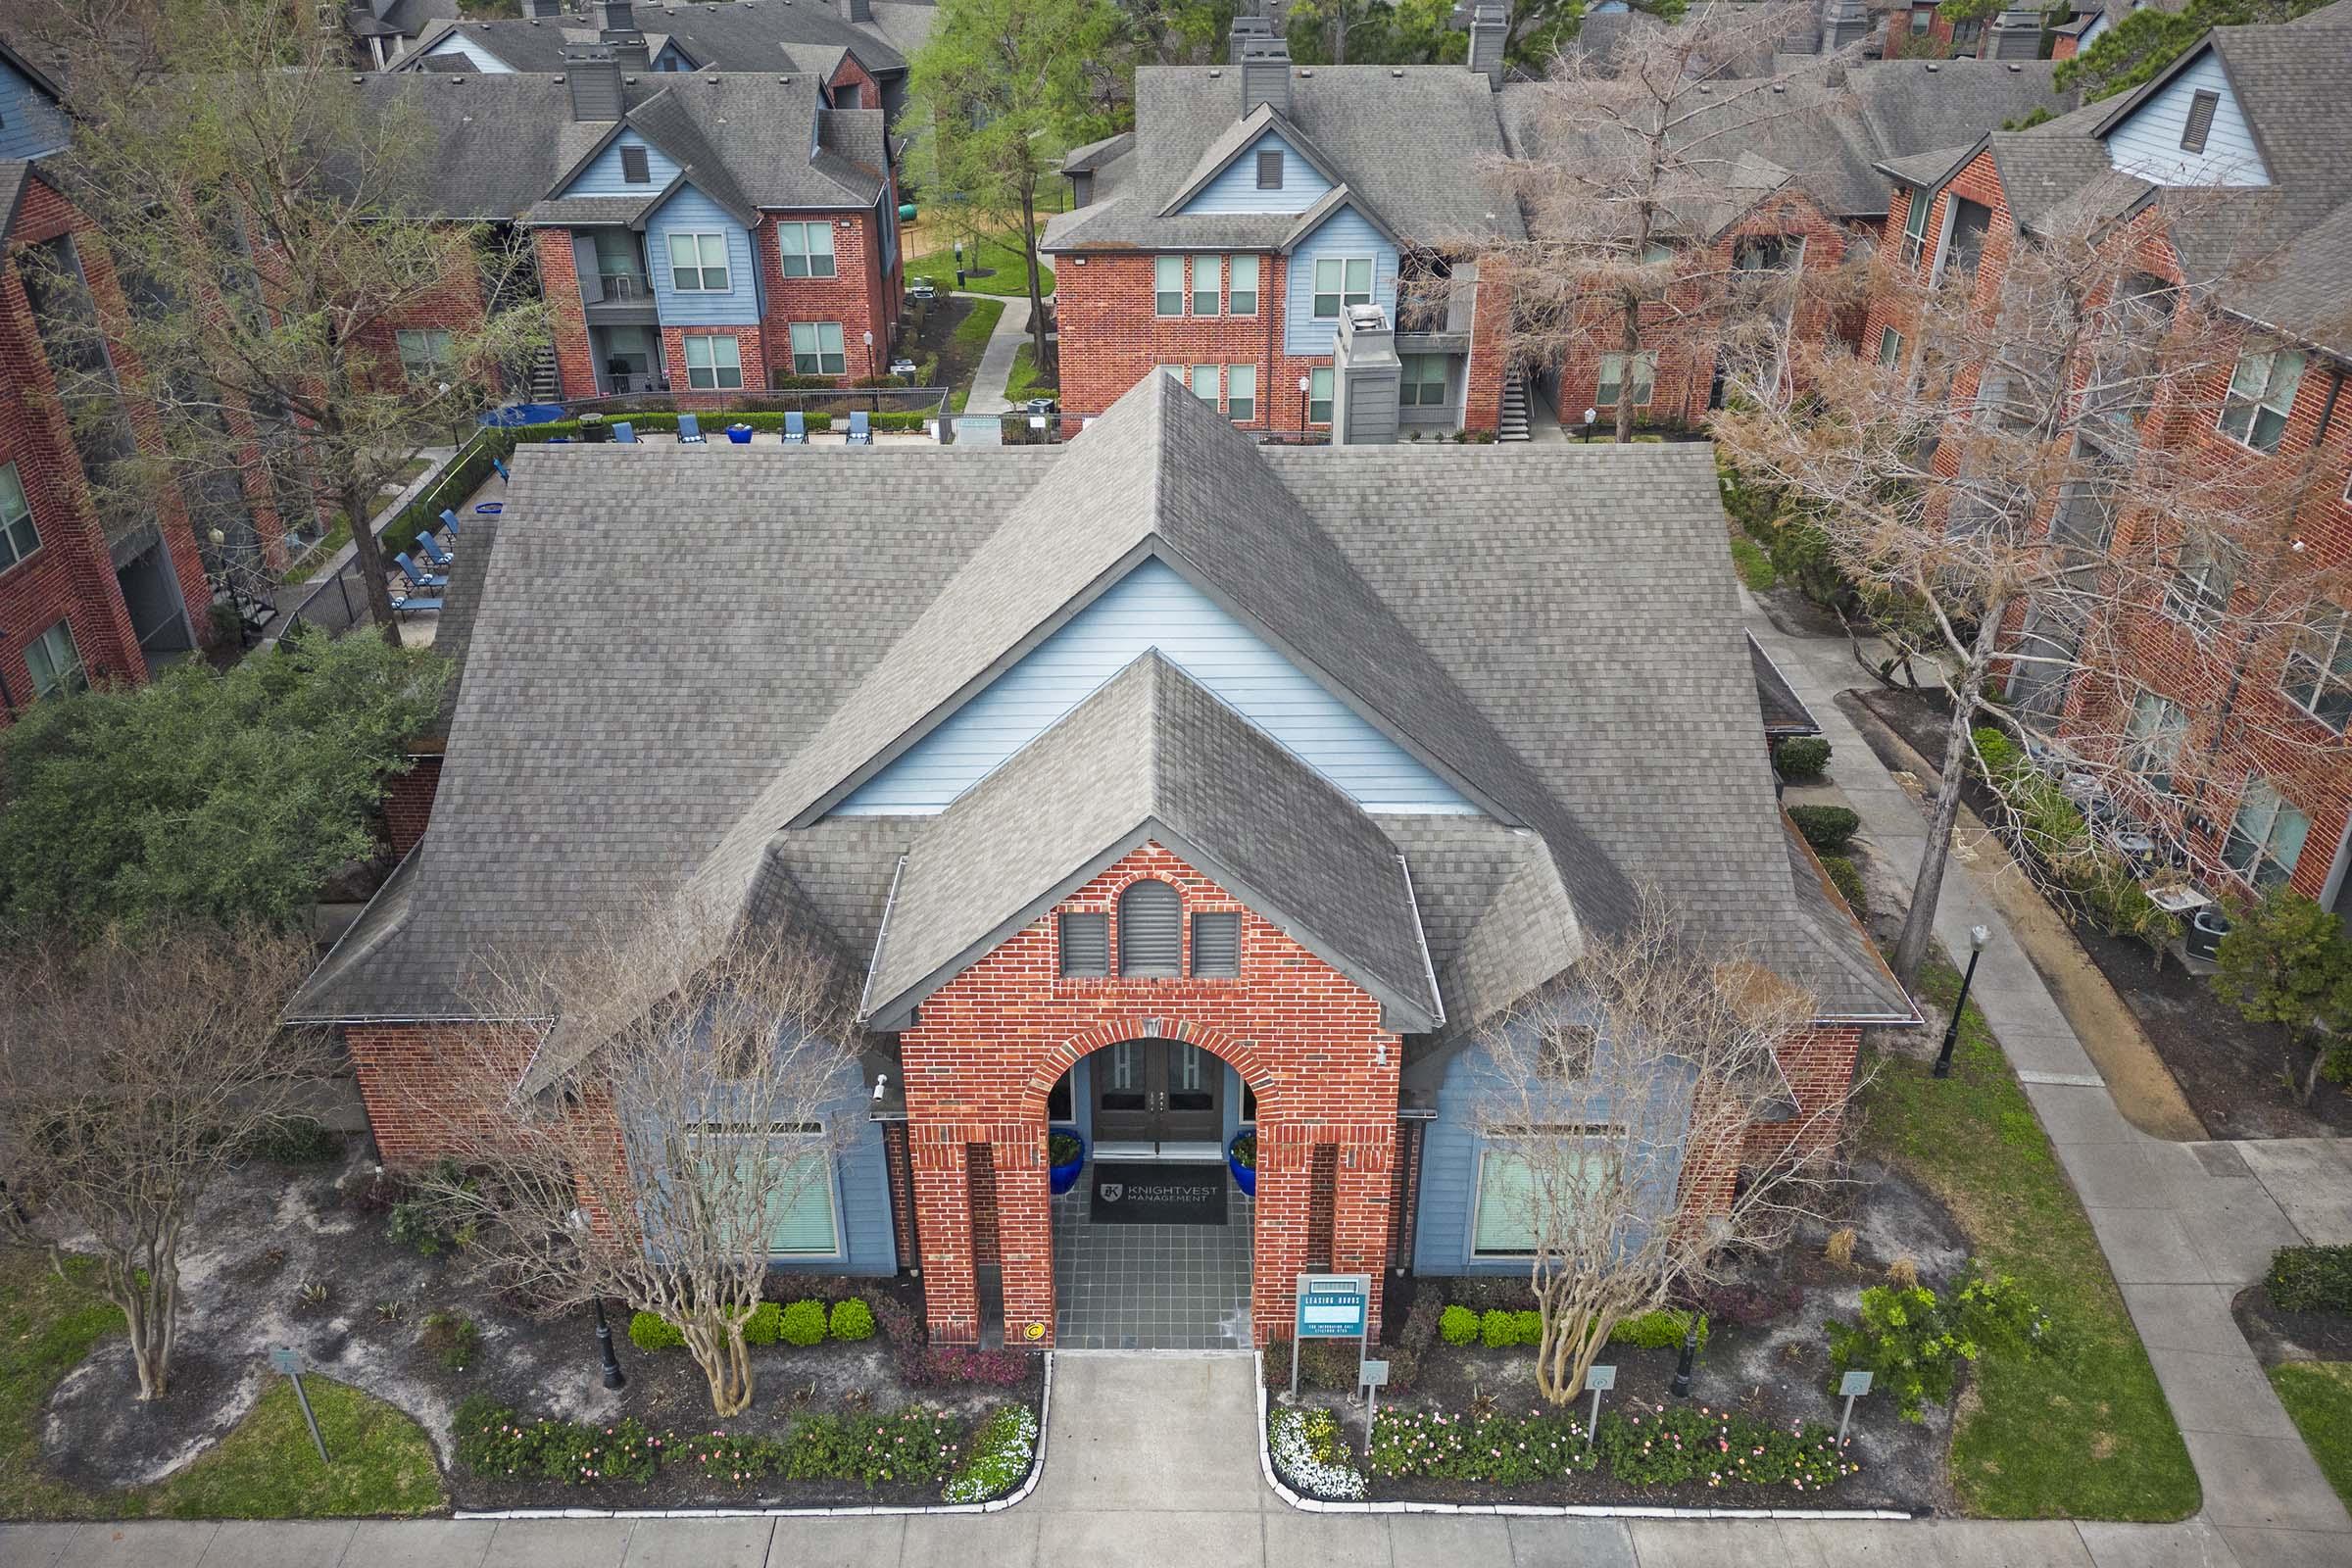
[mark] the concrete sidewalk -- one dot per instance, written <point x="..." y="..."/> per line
<point x="994" y="371"/>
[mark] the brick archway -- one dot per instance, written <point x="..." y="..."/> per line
<point x="1227" y="1046"/>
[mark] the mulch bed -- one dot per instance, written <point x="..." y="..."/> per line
<point x="2278" y="1336"/>
<point x="2233" y="1073"/>
<point x="937" y="336"/>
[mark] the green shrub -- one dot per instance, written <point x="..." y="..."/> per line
<point x="649" y="1331"/>
<point x="2311" y="1279"/>
<point x="1828" y="828"/>
<point x="766" y="1325"/>
<point x="1492" y="1448"/>
<point x="1914" y="1342"/>
<point x="2287" y="960"/>
<point x="1753" y="564"/>
<point x="803" y="1323"/>
<point x="296" y="1141"/>
<point x="1000" y="1454"/>
<point x="451" y="1337"/>
<point x="1458" y="1325"/>
<point x="1801" y="758"/>
<point x="1847" y="878"/>
<point x="852" y="1320"/>
<point x="493" y="1442"/>
<point x="1661" y="1330"/>
<point x="428" y="1223"/>
<point x="1802" y="553"/>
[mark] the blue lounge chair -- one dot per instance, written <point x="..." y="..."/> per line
<point x="417" y="602"/>
<point x="434" y="551"/>
<point x="427" y="580"/>
<point x="499" y="463"/>
<point x="690" y="431"/>
<point x="449" y="520"/>
<point x="861" y="429"/>
<point x="626" y="433"/>
<point x="796" y="429"/>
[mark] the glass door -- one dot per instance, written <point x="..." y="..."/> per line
<point x="1123" y="1096"/>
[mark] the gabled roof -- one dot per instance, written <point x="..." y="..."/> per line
<point x="1151" y="755"/>
<point x="764" y="35"/>
<point x="1929" y="171"/>
<point x="1785" y="712"/>
<point x="1244" y="134"/>
<point x="31" y="73"/>
<point x="1330" y="205"/>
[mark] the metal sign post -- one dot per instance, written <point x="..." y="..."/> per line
<point x="1376" y="1378"/>
<point x="287" y="1362"/>
<point x="1598" y="1379"/>
<point x="1332" y="1306"/>
<point x="1853" y="1386"/>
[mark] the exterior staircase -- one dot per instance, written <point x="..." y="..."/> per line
<point x="546" y="385"/>
<point x="1513" y="424"/>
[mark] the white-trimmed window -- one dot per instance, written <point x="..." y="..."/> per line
<point x="1890" y="346"/>
<point x="19" y="538"/>
<point x="816" y="349"/>
<point x="2265" y="838"/>
<point x="1240" y="393"/>
<point x="714" y="364"/>
<point x="1168" y="286"/>
<point x="2318" y="676"/>
<point x="1612" y="378"/>
<point x="1422" y="385"/>
<point x="1915" y="222"/>
<point x="1342" y="281"/>
<point x="2202" y="581"/>
<point x="698" y="264"/>
<point x="807" y="248"/>
<point x="423" y="352"/>
<point x="1205" y="383"/>
<point x="1241" y="294"/>
<point x="55" y="662"/>
<point x="2262" y="391"/>
<point x="1318" y="395"/>
<point x="2152" y="739"/>
<point x="801" y="1219"/>
<point x="1503" y="1213"/>
<point x="1209" y="284"/>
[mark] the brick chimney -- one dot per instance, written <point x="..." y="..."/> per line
<point x="593" y="73"/>
<point x="1490" y="30"/>
<point x="2014" y="35"/>
<point x="1265" y="74"/>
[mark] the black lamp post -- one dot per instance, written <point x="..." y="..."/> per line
<point x="1977" y="936"/>
<point x="1584" y="426"/>
<point x="1680" y="1388"/>
<point x="615" y="1377"/>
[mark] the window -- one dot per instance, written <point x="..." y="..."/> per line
<point x="1319" y="396"/>
<point x="816" y="349"/>
<point x="633" y="168"/>
<point x="1422" y="384"/>
<point x="698" y="264"/>
<point x="1218" y="944"/>
<point x="1767" y="253"/>
<point x="1241" y="294"/>
<point x="1167" y="286"/>
<point x="2152" y="739"/>
<point x="1656" y="253"/>
<point x="1269" y="169"/>
<point x="1970" y="223"/>
<point x="1151" y="929"/>
<point x="55" y="662"/>
<point x="423" y="352"/>
<point x="1086" y="944"/>
<point x="1504" y="1222"/>
<point x="2318" y="668"/>
<point x="1205" y="383"/>
<point x="798" y="1189"/>
<point x="1340" y="281"/>
<point x="2262" y="389"/>
<point x="1915" y="224"/>
<point x="1890" y="346"/>
<point x="1240" y="393"/>
<point x="2199" y="123"/>
<point x="1612" y="378"/>
<point x="714" y="363"/>
<point x="1208" y="282"/>
<point x="2266" y="837"/>
<point x="18" y="536"/>
<point x="808" y="249"/>
<point x="1176" y="370"/>
<point x="1965" y="33"/>
<point x="1921" y="19"/>
<point x="2202" y="581"/>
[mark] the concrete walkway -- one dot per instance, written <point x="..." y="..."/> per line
<point x="994" y="371"/>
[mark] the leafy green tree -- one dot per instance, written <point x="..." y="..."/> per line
<point x="2137" y="48"/>
<point x="2288" y="961"/>
<point x="1002" y="90"/>
<point x="227" y="796"/>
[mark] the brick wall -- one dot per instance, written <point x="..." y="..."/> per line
<point x="409" y="801"/>
<point x="853" y="86"/>
<point x="902" y="1195"/>
<point x="750" y="348"/>
<point x="858" y="296"/>
<point x="567" y="319"/>
<point x="408" y="1074"/>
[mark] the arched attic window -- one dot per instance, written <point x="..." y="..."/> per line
<point x="1150" y="930"/>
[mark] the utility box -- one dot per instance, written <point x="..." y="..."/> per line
<point x="1365" y="376"/>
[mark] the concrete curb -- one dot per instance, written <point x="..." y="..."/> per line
<point x="1020" y="1493"/>
<point x="1534" y="1510"/>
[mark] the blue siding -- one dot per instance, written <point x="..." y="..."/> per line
<point x="861" y="1204"/>
<point x="1344" y="233"/>
<point x="604" y="177"/>
<point x="2148" y="143"/>
<point x="670" y="59"/>
<point x="31" y="125"/>
<point x="1235" y="190"/>
<point x="1153" y="606"/>
<point x="692" y="212"/>
<point x="483" y="60"/>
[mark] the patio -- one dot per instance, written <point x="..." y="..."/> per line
<point x="1152" y="1287"/>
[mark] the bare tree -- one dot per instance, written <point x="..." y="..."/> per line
<point x="2014" y="475"/>
<point x="643" y="1141"/>
<point x="133" y="1071"/>
<point x="1635" y="165"/>
<point x="1625" y="1100"/>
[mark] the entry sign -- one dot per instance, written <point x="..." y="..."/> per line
<point x="1334" y="1307"/>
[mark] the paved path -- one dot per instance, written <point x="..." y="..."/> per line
<point x="996" y="361"/>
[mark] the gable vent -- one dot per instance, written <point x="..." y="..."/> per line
<point x="1218" y="944"/>
<point x="1086" y="944"/>
<point x="2200" y="121"/>
<point x="1150" y="930"/>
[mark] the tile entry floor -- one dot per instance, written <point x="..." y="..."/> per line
<point x="1152" y="1287"/>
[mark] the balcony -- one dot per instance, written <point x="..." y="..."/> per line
<point x="621" y="299"/>
<point x="1435" y="315"/>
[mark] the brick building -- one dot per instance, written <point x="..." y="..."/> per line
<point x="2236" y="753"/>
<point x="1160" y="785"/>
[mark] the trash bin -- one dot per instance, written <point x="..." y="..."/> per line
<point x="740" y="434"/>
<point x="2206" y="928"/>
<point x="593" y="428"/>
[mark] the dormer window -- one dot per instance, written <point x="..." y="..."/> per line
<point x="1150" y="930"/>
<point x="1269" y="169"/>
<point x="2199" y="123"/>
<point x="633" y="166"/>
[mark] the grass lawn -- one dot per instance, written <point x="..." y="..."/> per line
<point x="1024" y="382"/>
<point x="2082" y="1431"/>
<point x="970" y="343"/>
<point x="2318" y="1395"/>
<point x="1010" y="278"/>
<point x="265" y="1468"/>
<point x="1752" y="563"/>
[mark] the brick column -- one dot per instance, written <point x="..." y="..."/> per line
<point x="1025" y="1234"/>
<point x="567" y="317"/>
<point x="943" y="1198"/>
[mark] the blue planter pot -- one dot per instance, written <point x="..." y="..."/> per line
<point x="1243" y="1176"/>
<point x="1065" y="1177"/>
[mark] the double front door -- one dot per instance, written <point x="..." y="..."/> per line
<point x="1157" y="1091"/>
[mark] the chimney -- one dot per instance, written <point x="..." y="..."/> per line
<point x="616" y="15"/>
<point x="1246" y="25"/>
<point x="594" y="76"/>
<point x="1490" y="30"/>
<point x="2014" y="35"/>
<point x="542" y="10"/>
<point x="631" y="52"/>
<point x="1265" y="75"/>
<point x="1843" y="24"/>
<point x="856" y="10"/>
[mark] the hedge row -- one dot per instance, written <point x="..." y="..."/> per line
<point x="1499" y="1328"/>
<point x="801" y="1323"/>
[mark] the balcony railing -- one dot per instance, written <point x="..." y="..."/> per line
<point x="624" y="286"/>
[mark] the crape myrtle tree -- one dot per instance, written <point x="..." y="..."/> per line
<point x="1000" y="92"/>
<point x="1619" y="1102"/>
<point x="1633" y="164"/>
<point x="135" y="1069"/>
<point x="2020" y="486"/>
<point x="698" y="1100"/>
<point x="271" y="225"/>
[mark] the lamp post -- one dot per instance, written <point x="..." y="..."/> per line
<point x="1977" y="936"/>
<point x="1680" y="1388"/>
<point x="1584" y="430"/>
<point x="615" y="1377"/>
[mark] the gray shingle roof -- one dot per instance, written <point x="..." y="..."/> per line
<point x="460" y="603"/>
<point x="1785" y="712"/>
<point x="764" y="35"/>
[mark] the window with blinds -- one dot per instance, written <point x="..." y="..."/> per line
<point x="1150" y="930"/>
<point x="1086" y="944"/>
<point x="1218" y="944"/>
